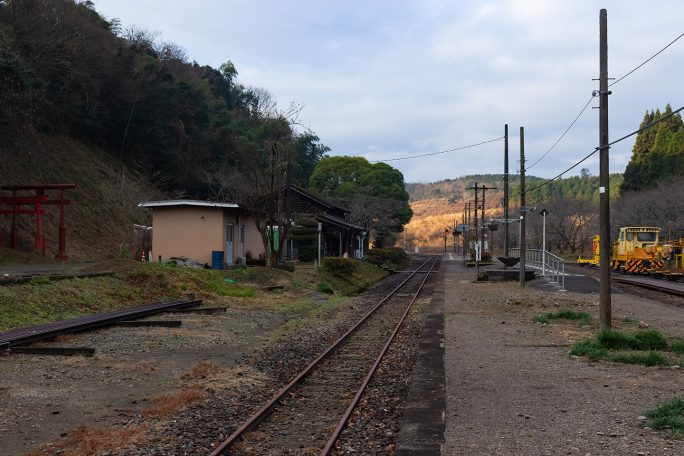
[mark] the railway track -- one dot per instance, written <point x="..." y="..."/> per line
<point x="672" y="288"/>
<point x="662" y="285"/>
<point x="307" y="415"/>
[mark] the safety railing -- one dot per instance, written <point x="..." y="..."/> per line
<point x="550" y="265"/>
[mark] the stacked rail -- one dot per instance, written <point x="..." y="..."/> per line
<point x="88" y="322"/>
<point x="302" y="415"/>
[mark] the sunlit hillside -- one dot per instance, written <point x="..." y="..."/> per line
<point x="432" y="216"/>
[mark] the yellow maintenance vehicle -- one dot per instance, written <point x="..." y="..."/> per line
<point x="637" y="250"/>
<point x="594" y="260"/>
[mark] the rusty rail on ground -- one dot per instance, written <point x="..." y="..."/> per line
<point x="27" y="335"/>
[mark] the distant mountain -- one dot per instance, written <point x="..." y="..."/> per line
<point x="538" y="190"/>
<point x="440" y="205"/>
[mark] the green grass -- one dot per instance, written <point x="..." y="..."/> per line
<point x="306" y="312"/>
<point x="649" y="339"/>
<point x="669" y="415"/>
<point x="651" y="358"/>
<point x="324" y="287"/>
<point x="642" y="347"/>
<point x="42" y="300"/>
<point x="350" y="277"/>
<point x="583" y="317"/>
<point x="678" y="346"/>
<point x="589" y="348"/>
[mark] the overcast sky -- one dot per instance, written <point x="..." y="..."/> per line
<point x="388" y="79"/>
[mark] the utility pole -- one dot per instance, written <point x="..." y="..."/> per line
<point x="465" y="229"/>
<point x="505" y="197"/>
<point x="604" y="206"/>
<point x="522" y="206"/>
<point x="477" y="233"/>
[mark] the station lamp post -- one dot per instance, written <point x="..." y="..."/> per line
<point x="543" y="213"/>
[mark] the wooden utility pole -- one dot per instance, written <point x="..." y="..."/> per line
<point x="604" y="201"/>
<point x="477" y="233"/>
<point x="522" y="206"/>
<point x="505" y="185"/>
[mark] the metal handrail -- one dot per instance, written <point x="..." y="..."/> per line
<point x="551" y="266"/>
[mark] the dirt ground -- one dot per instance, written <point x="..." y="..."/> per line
<point x="45" y="397"/>
<point x="514" y="389"/>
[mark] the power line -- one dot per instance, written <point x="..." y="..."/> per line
<point x="565" y="132"/>
<point x="593" y="95"/>
<point x="646" y="61"/>
<point x="596" y="149"/>
<point x="440" y="152"/>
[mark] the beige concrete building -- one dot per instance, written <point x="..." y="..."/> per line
<point x="195" y="229"/>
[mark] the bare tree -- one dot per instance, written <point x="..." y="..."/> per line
<point x="570" y="225"/>
<point x="662" y="207"/>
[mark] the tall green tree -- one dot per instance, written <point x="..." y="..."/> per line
<point x="657" y="152"/>
<point x="374" y="194"/>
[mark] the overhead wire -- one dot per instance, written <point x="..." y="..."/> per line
<point x="594" y="94"/>
<point x="596" y="149"/>
<point x="440" y="152"/>
<point x="645" y="61"/>
<point x="565" y="132"/>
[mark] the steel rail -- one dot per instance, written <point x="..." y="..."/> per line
<point x="88" y="322"/>
<point x="264" y="411"/>
<point x="664" y="288"/>
<point x="347" y="414"/>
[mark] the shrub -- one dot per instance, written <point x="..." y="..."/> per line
<point x="337" y="265"/>
<point x="389" y="258"/>
<point x="308" y="252"/>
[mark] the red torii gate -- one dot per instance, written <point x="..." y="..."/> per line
<point x="37" y="200"/>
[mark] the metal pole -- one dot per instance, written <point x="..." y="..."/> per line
<point x="604" y="206"/>
<point x="320" y="227"/>
<point x="522" y="206"/>
<point x="543" y="243"/>
<point x="505" y="197"/>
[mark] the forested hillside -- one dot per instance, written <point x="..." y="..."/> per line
<point x="441" y="205"/>
<point x="583" y="187"/>
<point x="85" y="100"/>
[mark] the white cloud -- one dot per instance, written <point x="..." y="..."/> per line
<point x="391" y="78"/>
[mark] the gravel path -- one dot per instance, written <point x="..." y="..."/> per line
<point x="513" y="388"/>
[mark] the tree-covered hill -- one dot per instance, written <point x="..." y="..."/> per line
<point x="126" y="118"/>
<point x="64" y="69"/>
<point x="583" y="187"/>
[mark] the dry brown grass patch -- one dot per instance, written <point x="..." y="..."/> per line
<point x="201" y="370"/>
<point x="90" y="440"/>
<point x="168" y="404"/>
<point x="209" y="376"/>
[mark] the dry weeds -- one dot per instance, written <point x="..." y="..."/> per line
<point x="90" y="440"/>
<point x="168" y="404"/>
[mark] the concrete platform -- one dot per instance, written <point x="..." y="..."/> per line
<point x="461" y="401"/>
